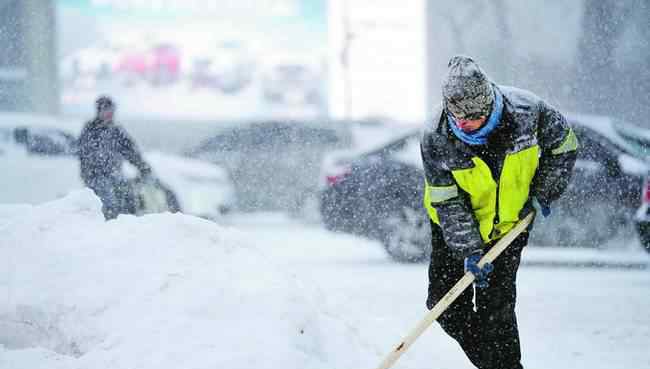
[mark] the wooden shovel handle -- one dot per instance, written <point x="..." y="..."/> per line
<point x="454" y="292"/>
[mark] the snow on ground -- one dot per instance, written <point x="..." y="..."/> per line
<point x="569" y="317"/>
<point x="160" y="291"/>
<point x="265" y="291"/>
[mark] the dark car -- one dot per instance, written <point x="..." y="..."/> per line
<point x="45" y="141"/>
<point x="639" y="139"/>
<point x="378" y="194"/>
<point x="274" y="164"/>
<point x="642" y="218"/>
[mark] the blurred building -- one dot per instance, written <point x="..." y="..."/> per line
<point x="28" y="73"/>
<point x="388" y="57"/>
<point x="590" y="56"/>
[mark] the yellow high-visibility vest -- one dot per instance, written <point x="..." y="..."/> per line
<point x="510" y="195"/>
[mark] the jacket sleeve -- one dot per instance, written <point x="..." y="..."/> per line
<point x="82" y="151"/>
<point x="559" y="146"/>
<point x="455" y="216"/>
<point x="130" y="152"/>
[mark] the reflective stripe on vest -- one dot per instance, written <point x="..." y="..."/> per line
<point x="428" y="203"/>
<point x="513" y="190"/>
<point x="570" y="143"/>
<point x="440" y="194"/>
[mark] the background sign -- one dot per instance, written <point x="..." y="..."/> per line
<point x="194" y="59"/>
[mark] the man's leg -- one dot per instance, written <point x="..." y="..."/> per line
<point x="459" y="320"/>
<point x="496" y="310"/>
<point x="126" y="197"/>
<point x="110" y="206"/>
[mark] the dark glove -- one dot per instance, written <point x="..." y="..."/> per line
<point x="147" y="177"/>
<point x="145" y="171"/>
<point x="480" y="274"/>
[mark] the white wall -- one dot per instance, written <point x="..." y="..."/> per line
<point x="385" y="59"/>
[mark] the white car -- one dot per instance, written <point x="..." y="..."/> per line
<point x="33" y="175"/>
<point x="292" y="84"/>
<point x="203" y="189"/>
<point x="228" y="67"/>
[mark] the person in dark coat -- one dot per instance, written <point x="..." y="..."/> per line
<point x="103" y="147"/>
<point x="491" y="155"/>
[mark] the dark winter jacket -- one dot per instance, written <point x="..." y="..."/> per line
<point x="527" y="122"/>
<point x="102" y="149"/>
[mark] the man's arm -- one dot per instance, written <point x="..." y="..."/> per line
<point x="460" y="229"/>
<point x="82" y="152"/>
<point x="559" y="146"/>
<point x="130" y="152"/>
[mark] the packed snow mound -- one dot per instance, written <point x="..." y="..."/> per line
<point x="158" y="291"/>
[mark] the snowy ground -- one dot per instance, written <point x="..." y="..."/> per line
<point x="174" y="291"/>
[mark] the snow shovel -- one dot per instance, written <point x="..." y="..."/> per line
<point x="454" y="292"/>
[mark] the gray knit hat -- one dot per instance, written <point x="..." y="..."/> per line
<point x="466" y="90"/>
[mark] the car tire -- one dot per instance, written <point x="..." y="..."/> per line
<point x="406" y="235"/>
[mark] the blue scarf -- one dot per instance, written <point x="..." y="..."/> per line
<point x="479" y="137"/>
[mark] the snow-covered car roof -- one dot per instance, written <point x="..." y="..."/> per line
<point x="46" y="140"/>
<point x="633" y="140"/>
<point x="194" y="168"/>
<point x="256" y="135"/>
<point x="375" y="138"/>
<point x="11" y="120"/>
<point x="368" y="137"/>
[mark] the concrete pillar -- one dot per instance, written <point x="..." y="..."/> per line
<point x="28" y="61"/>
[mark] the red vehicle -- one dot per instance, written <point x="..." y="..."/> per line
<point x="159" y="65"/>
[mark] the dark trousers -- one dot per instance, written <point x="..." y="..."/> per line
<point x="488" y="333"/>
<point x="116" y="195"/>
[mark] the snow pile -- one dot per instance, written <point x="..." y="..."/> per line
<point x="159" y="291"/>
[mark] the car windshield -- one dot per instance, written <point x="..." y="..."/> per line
<point x="261" y="136"/>
<point x="637" y="138"/>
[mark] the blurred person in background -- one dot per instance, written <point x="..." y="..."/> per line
<point x="492" y="154"/>
<point x="103" y="147"/>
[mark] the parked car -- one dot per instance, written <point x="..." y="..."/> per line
<point x="45" y="141"/>
<point x="159" y="64"/>
<point x="204" y="189"/>
<point x="274" y="164"/>
<point x="378" y="193"/>
<point x="639" y="139"/>
<point x="228" y="67"/>
<point x="192" y="186"/>
<point x="603" y="196"/>
<point x="642" y="217"/>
